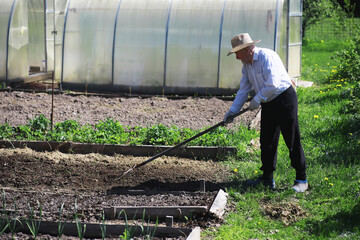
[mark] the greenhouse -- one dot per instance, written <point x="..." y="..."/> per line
<point x="142" y="46"/>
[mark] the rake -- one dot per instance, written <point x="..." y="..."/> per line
<point x="180" y="144"/>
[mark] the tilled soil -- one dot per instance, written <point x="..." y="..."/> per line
<point x="195" y="113"/>
<point x="93" y="180"/>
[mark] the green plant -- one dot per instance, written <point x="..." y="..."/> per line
<point x="348" y="62"/>
<point x="14" y="222"/>
<point x="6" y="131"/>
<point x="129" y="231"/>
<point x="3" y="221"/>
<point x="146" y="231"/>
<point x="103" y="226"/>
<point x="81" y="227"/>
<point x="32" y="223"/>
<point x="61" y="224"/>
<point x="161" y="135"/>
<point x="39" y="123"/>
<point x="315" y="12"/>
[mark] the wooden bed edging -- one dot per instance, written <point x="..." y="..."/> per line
<point x="111" y="149"/>
<point x="93" y="230"/>
<point x="153" y="211"/>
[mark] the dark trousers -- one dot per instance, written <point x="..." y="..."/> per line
<point x="281" y="114"/>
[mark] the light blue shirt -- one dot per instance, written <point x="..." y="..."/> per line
<point x="266" y="75"/>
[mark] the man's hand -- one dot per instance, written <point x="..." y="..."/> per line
<point x="254" y="105"/>
<point x="229" y="116"/>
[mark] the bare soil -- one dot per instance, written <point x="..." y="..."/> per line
<point x="93" y="180"/>
<point x="195" y="113"/>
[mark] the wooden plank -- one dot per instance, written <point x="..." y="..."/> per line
<point x="195" y="234"/>
<point x="93" y="230"/>
<point x="111" y="149"/>
<point x="38" y="77"/>
<point x="37" y="145"/>
<point x="149" y="150"/>
<point x="218" y="206"/>
<point x="153" y="211"/>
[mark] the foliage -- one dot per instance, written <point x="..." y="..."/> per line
<point x="112" y="132"/>
<point x="315" y="12"/>
<point x="347" y="62"/>
<point x="161" y="135"/>
<point x="347" y="69"/>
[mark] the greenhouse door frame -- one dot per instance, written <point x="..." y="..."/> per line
<point x="295" y="9"/>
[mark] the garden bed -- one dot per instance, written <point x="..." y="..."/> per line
<point x="50" y="179"/>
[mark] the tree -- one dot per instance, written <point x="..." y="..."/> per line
<point x="315" y="11"/>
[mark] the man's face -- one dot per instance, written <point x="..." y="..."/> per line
<point x="244" y="55"/>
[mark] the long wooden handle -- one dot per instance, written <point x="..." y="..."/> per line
<point x="182" y="143"/>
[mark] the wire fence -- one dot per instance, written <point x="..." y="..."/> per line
<point x="329" y="29"/>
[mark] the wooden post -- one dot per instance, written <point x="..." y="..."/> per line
<point x="169" y="221"/>
<point x="202" y="185"/>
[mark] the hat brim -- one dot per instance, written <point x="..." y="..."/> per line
<point x="239" y="47"/>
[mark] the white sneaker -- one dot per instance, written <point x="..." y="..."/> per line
<point x="300" y="186"/>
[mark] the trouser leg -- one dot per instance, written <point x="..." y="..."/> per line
<point x="269" y="139"/>
<point x="289" y="126"/>
<point x="281" y="114"/>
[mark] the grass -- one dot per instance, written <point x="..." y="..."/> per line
<point x="331" y="141"/>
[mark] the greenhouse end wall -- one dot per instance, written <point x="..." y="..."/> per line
<point x="153" y="47"/>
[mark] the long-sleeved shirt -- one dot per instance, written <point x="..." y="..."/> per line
<point x="266" y="75"/>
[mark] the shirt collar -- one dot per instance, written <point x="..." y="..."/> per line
<point x="256" y="54"/>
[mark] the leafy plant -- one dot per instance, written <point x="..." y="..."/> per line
<point x="39" y="123"/>
<point x="348" y="62"/>
<point x="6" y="131"/>
<point x="161" y="135"/>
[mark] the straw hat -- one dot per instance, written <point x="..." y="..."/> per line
<point x="241" y="41"/>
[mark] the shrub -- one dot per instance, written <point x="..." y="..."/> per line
<point x="348" y="70"/>
<point x="348" y="62"/>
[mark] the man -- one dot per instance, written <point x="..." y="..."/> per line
<point x="264" y="72"/>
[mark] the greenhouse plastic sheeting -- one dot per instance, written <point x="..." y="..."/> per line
<point x="36" y="47"/>
<point x="5" y="10"/>
<point x="193" y="43"/>
<point x="140" y="43"/>
<point x="258" y="18"/>
<point x="18" y="41"/>
<point x="87" y="56"/>
<point x="164" y="43"/>
<point x="148" y="46"/>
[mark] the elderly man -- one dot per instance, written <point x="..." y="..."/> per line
<point x="264" y="72"/>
